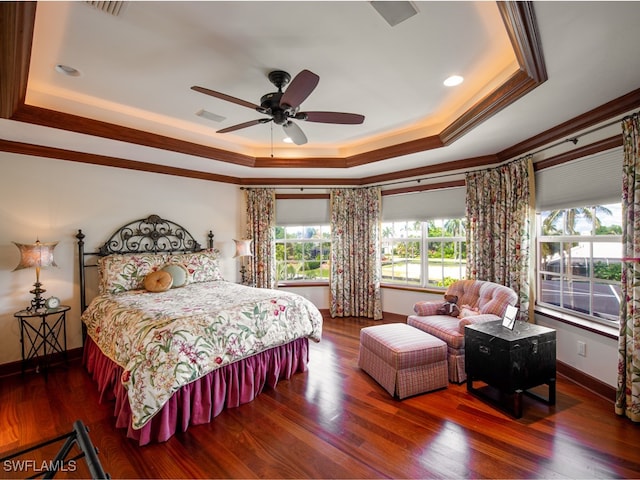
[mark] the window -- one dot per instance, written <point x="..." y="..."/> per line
<point x="402" y="252"/>
<point x="579" y="260"/>
<point x="303" y="252"/>
<point x="424" y="254"/>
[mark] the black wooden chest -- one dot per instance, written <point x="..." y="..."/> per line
<point x="512" y="361"/>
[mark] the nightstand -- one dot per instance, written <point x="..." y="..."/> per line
<point x="40" y="334"/>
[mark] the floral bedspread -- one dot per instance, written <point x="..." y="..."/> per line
<point x="166" y="340"/>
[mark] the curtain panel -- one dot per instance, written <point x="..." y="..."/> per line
<point x="261" y="227"/>
<point x="355" y="253"/>
<point x="500" y="213"/>
<point x="628" y="388"/>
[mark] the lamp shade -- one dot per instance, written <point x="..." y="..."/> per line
<point x="243" y="248"/>
<point x="36" y="255"/>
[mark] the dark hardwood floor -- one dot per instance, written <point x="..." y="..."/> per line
<point x="333" y="421"/>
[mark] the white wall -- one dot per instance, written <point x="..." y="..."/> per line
<point x="51" y="199"/>
<point x="402" y="301"/>
<point x="601" y="353"/>
<point x="393" y="300"/>
<point x="319" y="296"/>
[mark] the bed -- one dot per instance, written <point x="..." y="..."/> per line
<point x="174" y="356"/>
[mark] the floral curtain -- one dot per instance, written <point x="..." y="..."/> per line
<point x="500" y="212"/>
<point x="355" y="253"/>
<point x="261" y="227"/>
<point x="628" y="390"/>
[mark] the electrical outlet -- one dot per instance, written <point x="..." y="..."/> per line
<point x="582" y="349"/>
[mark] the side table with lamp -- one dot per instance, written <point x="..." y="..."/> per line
<point x="49" y="333"/>
<point x="243" y="249"/>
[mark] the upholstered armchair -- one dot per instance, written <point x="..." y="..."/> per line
<point x="478" y="301"/>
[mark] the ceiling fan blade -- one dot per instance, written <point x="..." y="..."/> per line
<point x="331" y="117"/>
<point x="250" y="123"/>
<point x="226" y="97"/>
<point x="295" y="133"/>
<point x="299" y="89"/>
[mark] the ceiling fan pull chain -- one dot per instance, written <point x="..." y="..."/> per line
<point x="271" y="125"/>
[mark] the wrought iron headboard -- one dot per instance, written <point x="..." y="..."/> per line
<point x="147" y="235"/>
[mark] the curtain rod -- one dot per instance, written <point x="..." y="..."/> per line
<point x="573" y="140"/>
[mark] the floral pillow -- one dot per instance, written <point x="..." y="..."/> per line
<point x="121" y="273"/>
<point x="202" y="266"/>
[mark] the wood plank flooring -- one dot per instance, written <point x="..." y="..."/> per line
<point x="333" y="421"/>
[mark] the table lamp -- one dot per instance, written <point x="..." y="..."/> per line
<point x="36" y="255"/>
<point x="243" y="249"/>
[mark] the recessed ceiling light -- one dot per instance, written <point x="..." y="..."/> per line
<point x="287" y="140"/>
<point x="453" y="80"/>
<point x="67" y="70"/>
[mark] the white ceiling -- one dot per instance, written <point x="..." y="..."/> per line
<point x="136" y="70"/>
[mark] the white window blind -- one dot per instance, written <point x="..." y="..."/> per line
<point x="593" y="180"/>
<point x="313" y="211"/>
<point x="426" y="205"/>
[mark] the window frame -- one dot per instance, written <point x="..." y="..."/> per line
<point x="323" y="229"/>
<point x="424" y="242"/>
<point x="567" y="237"/>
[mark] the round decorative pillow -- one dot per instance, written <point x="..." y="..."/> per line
<point x="159" y="281"/>
<point x="178" y="272"/>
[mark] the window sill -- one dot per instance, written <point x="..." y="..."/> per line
<point x="391" y="286"/>
<point x="594" y="327"/>
<point x="408" y="288"/>
<point x="304" y="283"/>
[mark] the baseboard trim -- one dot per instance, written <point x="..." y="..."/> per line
<point x="386" y="316"/>
<point x="394" y="317"/>
<point x="15" y="368"/>
<point x="585" y="380"/>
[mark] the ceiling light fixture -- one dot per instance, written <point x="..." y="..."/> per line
<point x="453" y="80"/>
<point x="67" y="70"/>
<point x="287" y="140"/>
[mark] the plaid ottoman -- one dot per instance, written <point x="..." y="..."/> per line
<point x="404" y="360"/>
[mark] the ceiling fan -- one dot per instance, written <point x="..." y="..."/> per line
<point x="283" y="107"/>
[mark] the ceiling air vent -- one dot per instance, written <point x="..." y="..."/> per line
<point x="112" y="8"/>
<point x="210" y="116"/>
<point x="395" y="12"/>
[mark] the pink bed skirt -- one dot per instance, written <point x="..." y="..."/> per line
<point x="200" y="401"/>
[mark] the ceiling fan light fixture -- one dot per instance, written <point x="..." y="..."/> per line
<point x="282" y="107"/>
<point x="287" y="140"/>
<point x="453" y="80"/>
